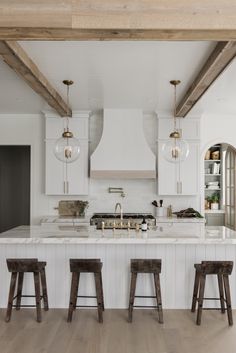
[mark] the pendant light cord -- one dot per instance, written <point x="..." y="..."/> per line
<point x="67" y="101"/>
<point x="175" y="107"/>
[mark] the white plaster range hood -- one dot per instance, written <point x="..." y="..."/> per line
<point x="123" y="151"/>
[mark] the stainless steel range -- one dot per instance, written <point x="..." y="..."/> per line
<point x="121" y="221"/>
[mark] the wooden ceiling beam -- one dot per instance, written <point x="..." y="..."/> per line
<point x="118" y="20"/>
<point x="15" y="57"/>
<point x="70" y="34"/>
<point x="217" y="62"/>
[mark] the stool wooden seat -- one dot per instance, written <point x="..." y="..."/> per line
<point x="78" y="266"/>
<point x="222" y="269"/>
<point x="145" y="266"/>
<point x="18" y="267"/>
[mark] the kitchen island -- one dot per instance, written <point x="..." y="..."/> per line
<point x="178" y="247"/>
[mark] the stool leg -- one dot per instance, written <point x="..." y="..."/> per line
<point x="44" y="289"/>
<point x="132" y="294"/>
<point x="99" y="295"/>
<point x="19" y="289"/>
<point x="11" y="296"/>
<point x="76" y="290"/>
<point x="101" y="286"/>
<point x="37" y="295"/>
<point x="195" y="291"/>
<point x="200" y="300"/>
<point x="228" y="299"/>
<point x="73" y="295"/>
<point x="158" y="296"/>
<point x="221" y="291"/>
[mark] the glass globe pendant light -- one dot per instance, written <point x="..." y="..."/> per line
<point x="67" y="148"/>
<point x="175" y="150"/>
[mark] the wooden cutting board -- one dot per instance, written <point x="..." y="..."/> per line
<point x="72" y="208"/>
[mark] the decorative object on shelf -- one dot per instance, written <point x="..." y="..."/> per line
<point x="215" y="155"/>
<point x="215" y="201"/>
<point x="188" y="213"/>
<point x="67" y="148"/>
<point x="176" y="150"/>
<point x="213" y="185"/>
<point x="207" y="155"/>
<point x="207" y="203"/>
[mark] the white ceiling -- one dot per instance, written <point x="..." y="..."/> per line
<point x="15" y="95"/>
<point x="116" y="75"/>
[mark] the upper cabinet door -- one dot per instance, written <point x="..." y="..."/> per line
<point x="71" y="178"/>
<point x="166" y="174"/>
<point x="183" y="178"/>
<point x="179" y="179"/>
<point x="190" y="171"/>
<point x="77" y="173"/>
<point x="54" y="172"/>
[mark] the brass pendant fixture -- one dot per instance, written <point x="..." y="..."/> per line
<point x="175" y="150"/>
<point x="67" y="148"/>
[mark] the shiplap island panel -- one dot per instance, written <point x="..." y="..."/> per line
<point x="178" y="256"/>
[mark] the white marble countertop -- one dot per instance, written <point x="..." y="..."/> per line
<point x="174" y="219"/>
<point x="86" y="220"/>
<point x="89" y="235"/>
<point x="64" y="219"/>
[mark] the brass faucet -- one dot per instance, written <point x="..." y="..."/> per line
<point x="121" y="211"/>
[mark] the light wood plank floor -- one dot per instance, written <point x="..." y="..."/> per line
<point x="179" y="334"/>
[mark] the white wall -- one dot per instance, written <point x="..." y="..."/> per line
<point x="29" y="130"/>
<point x="217" y="129"/>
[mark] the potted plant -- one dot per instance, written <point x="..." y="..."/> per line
<point x="215" y="199"/>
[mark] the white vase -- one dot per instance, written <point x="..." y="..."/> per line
<point x="214" y="206"/>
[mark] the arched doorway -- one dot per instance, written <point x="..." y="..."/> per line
<point x="230" y="164"/>
<point x="220" y="185"/>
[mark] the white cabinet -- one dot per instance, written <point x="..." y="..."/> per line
<point x="77" y="173"/>
<point x="62" y="178"/>
<point x="190" y="172"/>
<point x="182" y="178"/>
<point x="54" y="172"/>
<point x="166" y="174"/>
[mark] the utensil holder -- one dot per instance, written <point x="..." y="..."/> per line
<point x="161" y="212"/>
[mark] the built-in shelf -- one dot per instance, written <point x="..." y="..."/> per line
<point x="214" y="211"/>
<point x="212" y="174"/>
<point x="212" y="189"/>
<point x="214" y="171"/>
<point x="212" y="160"/>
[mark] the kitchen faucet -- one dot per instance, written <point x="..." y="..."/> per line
<point x="121" y="211"/>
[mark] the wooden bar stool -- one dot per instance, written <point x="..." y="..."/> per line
<point x="78" y="266"/>
<point x="18" y="267"/>
<point x="145" y="266"/>
<point x="222" y="269"/>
